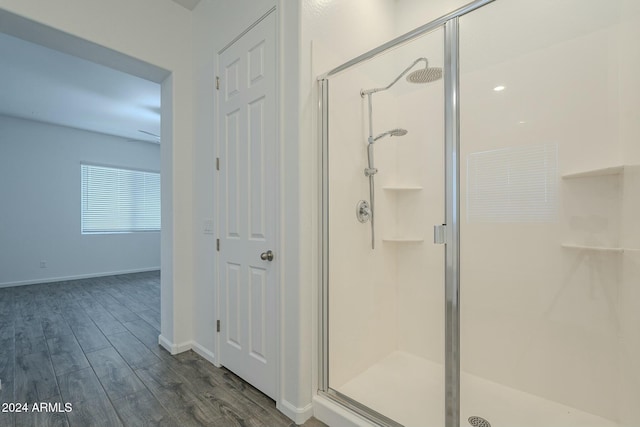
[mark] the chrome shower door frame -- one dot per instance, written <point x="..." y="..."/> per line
<point x="452" y="215"/>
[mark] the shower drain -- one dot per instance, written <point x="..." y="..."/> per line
<point x="479" y="422"/>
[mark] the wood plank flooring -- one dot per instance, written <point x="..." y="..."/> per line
<point x="94" y="343"/>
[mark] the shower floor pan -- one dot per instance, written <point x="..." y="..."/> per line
<point x="409" y="389"/>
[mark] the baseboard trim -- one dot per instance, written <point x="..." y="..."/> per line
<point x="77" y="277"/>
<point x="332" y="414"/>
<point x="204" y="353"/>
<point x="298" y="415"/>
<point x="186" y="346"/>
<point x="172" y="348"/>
<point x="168" y="345"/>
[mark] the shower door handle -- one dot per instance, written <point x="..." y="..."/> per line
<point x="440" y="234"/>
<point x="267" y="256"/>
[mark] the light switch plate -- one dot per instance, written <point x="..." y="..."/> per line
<point x="207" y="226"/>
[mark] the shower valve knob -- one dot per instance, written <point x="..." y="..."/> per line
<point x="363" y="211"/>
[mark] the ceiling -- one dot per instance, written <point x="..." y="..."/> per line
<point x="189" y="4"/>
<point x="38" y="83"/>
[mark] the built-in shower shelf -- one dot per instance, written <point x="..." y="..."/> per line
<point x="403" y="239"/>
<point x="401" y="188"/>
<point x="594" y="248"/>
<point x="613" y="170"/>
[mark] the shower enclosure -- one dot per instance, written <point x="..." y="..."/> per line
<point x="501" y="286"/>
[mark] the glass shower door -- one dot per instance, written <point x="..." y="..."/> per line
<point x="549" y="203"/>
<point x="384" y="161"/>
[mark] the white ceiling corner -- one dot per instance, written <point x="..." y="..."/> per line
<point x="41" y="84"/>
<point x="189" y="4"/>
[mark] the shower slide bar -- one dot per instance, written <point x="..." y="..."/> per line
<point x="420" y="76"/>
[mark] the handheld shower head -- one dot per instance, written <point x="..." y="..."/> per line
<point x="392" y="132"/>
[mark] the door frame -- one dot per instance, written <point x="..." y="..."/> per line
<point x="218" y="200"/>
<point x="79" y="46"/>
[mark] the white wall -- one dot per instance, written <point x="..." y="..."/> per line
<point x="40" y="172"/>
<point x="159" y="33"/>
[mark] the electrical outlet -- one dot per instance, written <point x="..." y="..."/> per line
<point x="43" y="264"/>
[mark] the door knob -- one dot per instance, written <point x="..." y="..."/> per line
<point x="267" y="256"/>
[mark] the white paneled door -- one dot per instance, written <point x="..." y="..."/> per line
<point x="248" y="258"/>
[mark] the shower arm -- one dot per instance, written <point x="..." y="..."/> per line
<point x="380" y="89"/>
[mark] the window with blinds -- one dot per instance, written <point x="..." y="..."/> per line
<point x="119" y="200"/>
<point x="515" y="184"/>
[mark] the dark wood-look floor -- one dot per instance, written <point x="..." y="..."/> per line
<point x="94" y="343"/>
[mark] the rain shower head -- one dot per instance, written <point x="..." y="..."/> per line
<point x="397" y="132"/>
<point x="425" y="75"/>
<point x="392" y="132"/>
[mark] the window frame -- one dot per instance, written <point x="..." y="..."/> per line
<point x="116" y="229"/>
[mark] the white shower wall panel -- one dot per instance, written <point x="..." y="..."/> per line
<point x="421" y="163"/>
<point x="389" y="298"/>
<point x="410" y="14"/>
<point x="538" y="317"/>
<point x="627" y="36"/>
<point x="363" y="290"/>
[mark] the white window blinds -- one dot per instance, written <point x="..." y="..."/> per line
<point x="119" y="200"/>
<point x="515" y="184"/>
